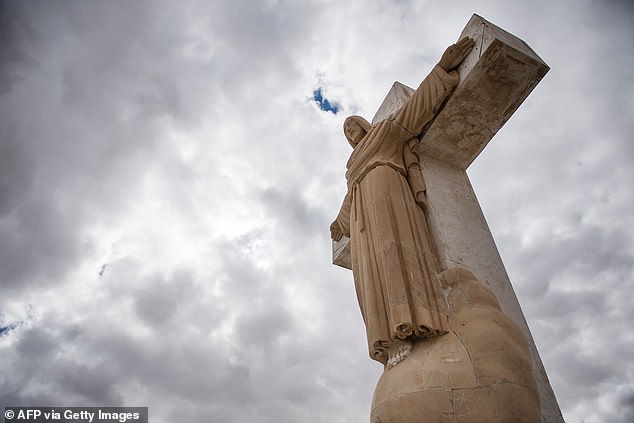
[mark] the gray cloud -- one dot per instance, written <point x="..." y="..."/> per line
<point x="178" y="144"/>
<point x="158" y="301"/>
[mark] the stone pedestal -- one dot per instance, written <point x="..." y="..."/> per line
<point x="479" y="372"/>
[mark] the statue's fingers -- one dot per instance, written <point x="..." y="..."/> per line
<point x="464" y="41"/>
<point x="466" y="49"/>
<point x="469" y="45"/>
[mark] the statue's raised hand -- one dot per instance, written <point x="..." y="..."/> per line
<point x="455" y="54"/>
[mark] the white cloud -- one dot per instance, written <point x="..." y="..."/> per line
<point x="177" y="144"/>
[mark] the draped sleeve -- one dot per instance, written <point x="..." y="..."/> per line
<point x="427" y="100"/>
<point x="343" y="218"/>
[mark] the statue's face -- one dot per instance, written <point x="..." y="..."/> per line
<point x="355" y="131"/>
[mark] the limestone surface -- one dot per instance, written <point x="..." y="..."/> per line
<point x="394" y="261"/>
<point x="495" y="78"/>
<point x="465" y="354"/>
<point x="479" y="372"/>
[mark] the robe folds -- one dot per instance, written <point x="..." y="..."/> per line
<point x="393" y="258"/>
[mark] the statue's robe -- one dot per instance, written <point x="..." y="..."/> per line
<point x="393" y="259"/>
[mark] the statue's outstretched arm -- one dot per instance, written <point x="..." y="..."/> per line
<point x="426" y="101"/>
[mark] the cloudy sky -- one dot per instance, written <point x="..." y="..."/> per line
<point x="167" y="181"/>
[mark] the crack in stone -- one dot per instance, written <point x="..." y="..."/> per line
<point x="469" y="355"/>
<point x="484" y="26"/>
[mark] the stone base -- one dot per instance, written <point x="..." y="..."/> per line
<point x="479" y="372"/>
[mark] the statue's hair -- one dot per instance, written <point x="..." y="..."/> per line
<point x="362" y="123"/>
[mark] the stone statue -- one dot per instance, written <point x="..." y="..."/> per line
<point x="383" y="213"/>
<point x="423" y="259"/>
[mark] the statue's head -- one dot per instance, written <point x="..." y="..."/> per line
<point x="355" y="128"/>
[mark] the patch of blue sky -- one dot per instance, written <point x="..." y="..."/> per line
<point x="5" y="330"/>
<point x="323" y="103"/>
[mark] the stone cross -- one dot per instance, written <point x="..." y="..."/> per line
<point x="495" y="78"/>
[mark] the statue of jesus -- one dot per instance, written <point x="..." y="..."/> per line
<point x="394" y="262"/>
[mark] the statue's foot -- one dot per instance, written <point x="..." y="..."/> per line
<point x="398" y="351"/>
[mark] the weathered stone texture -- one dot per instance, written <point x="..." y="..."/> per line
<point x="487" y="368"/>
<point x="463" y="376"/>
<point x="496" y="77"/>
